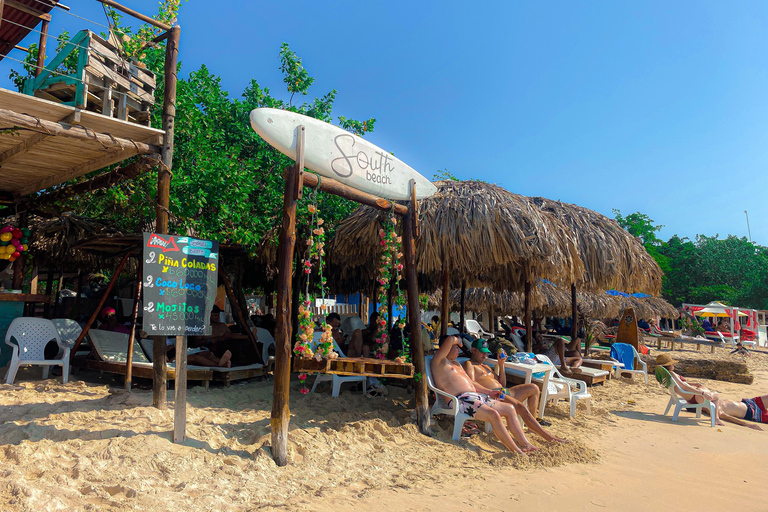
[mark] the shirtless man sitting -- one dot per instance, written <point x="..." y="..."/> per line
<point x="496" y="379"/>
<point x="567" y="355"/>
<point x="475" y="400"/>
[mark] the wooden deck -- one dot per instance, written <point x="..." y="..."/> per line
<point x="43" y="143"/>
<point x="355" y="366"/>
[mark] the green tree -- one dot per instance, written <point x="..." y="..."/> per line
<point x="227" y="182"/>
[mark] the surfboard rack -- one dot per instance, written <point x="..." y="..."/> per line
<point x="354" y="366"/>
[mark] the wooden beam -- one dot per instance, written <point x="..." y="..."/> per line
<point x="137" y="15"/>
<point x="27" y="9"/>
<point x="463" y="305"/>
<point x="22" y="147"/>
<point x="339" y="189"/>
<point x="281" y="415"/>
<point x="414" y="318"/>
<point x="11" y="119"/>
<point x="62" y="176"/>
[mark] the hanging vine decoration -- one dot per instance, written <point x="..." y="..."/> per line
<point x="389" y="270"/>
<point x="313" y="258"/>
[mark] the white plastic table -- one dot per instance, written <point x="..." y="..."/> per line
<point x="528" y="370"/>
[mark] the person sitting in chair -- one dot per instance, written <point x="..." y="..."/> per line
<point x="475" y="400"/>
<point x="689" y="388"/>
<point x="496" y="379"/>
<point x="567" y="356"/>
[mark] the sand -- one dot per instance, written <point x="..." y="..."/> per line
<point x="86" y="446"/>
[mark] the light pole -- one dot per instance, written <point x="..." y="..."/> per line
<point x="748" y="230"/>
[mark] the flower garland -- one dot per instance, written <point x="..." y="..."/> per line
<point x="305" y="336"/>
<point x="389" y="269"/>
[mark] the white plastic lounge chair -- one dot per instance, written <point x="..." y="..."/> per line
<point x="639" y="363"/>
<point x="670" y="382"/>
<point x="267" y="341"/>
<point x="113" y="346"/>
<point x="445" y="403"/>
<point x="476" y="330"/>
<point x="28" y="337"/>
<point x="336" y="380"/>
<point x="68" y="330"/>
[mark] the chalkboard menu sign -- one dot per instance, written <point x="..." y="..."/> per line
<point x="180" y="278"/>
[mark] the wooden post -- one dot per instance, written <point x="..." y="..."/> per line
<point x="159" y="374"/>
<point x="41" y="46"/>
<point x="463" y="306"/>
<point x="281" y="416"/>
<point x="180" y="399"/>
<point x="491" y="319"/>
<point x="574" y="314"/>
<point x="414" y="316"/>
<point x="134" y="316"/>
<point x="361" y="311"/>
<point x="527" y="320"/>
<point x="445" y="314"/>
<point x="103" y="299"/>
<point x="236" y="306"/>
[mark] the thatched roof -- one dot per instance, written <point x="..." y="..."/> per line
<point x="490" y="237"/>
<point x="612" y="257"/>
<point x="53" y="241"/>
<point x="550" y="300"/>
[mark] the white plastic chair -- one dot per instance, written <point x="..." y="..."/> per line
<point x="573" y="396"/>
<point x="267" y="341"/>
<point x="642" y="364"/>
<point x="336" y="380"/>
<point x="668" y="380"/>
<point x="31" y="335"/>
<point x="68" y="330"/>
<point x="445" y="403"/>
<point x="476" y="330"/>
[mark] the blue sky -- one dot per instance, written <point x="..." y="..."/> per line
<point x="658" y="107"/>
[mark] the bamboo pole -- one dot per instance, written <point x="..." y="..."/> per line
<point x="41" y="46"/>
<point x="574" y="313"/>
<point x="414" y="316"/>
<point x="280" y="417"/>
<point x="444" y="309"/>
<point x="180" y="395"/>
<point x="132" y="335"/>
<point x="103" y="299"/>
<point x="463" y="306"/>
<point x="159" y="375"/>
<point x="528" y="327"/>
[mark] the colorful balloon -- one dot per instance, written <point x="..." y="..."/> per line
<point x="25" y="247"/>
<point x="10" y="249"/>
<point x="5" y="237"/>
<point x="6" y="229"/>
<point x="17" y="233"/>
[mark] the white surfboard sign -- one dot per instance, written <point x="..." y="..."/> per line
<point x="334" y="152"/>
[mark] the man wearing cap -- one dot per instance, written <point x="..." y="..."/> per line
<point x="689" y="388"/>
<point x="496" y="379"/>
<point x="475" y="400"/>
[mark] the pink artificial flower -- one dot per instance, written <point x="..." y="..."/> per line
<point x="399" y="266"/>
<point x="383" y="243"/>
<point x="320" y="222"/>
<point x="302" y="376"/>
<point x="304" y="391"/>
<point x="308" y="271"/>
<point x="311" y="208"/>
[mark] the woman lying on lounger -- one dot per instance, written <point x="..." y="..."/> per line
<point x="202" y="357"/>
